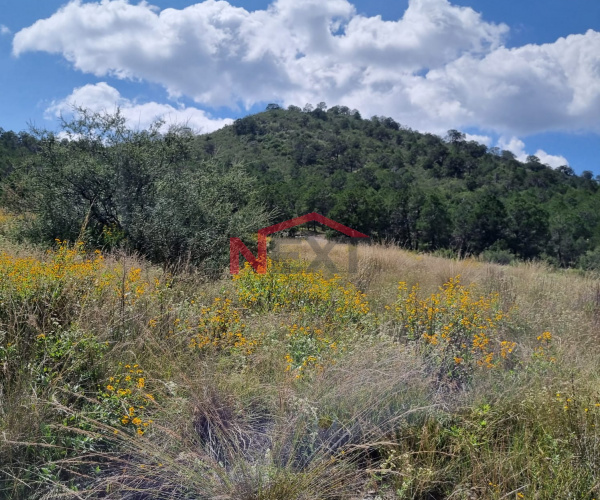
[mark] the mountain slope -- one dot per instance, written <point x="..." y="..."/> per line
<point x="420" y="190"/>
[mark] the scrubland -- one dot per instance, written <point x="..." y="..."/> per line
<point x="417" y="377"/>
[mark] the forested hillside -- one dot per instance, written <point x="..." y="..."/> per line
<point x="420" y="190"/>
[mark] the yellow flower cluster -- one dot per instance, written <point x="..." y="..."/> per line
<point x="454" y="325"/>
<point x="220" y="327"/>
<point x="544" y="350"/>
<point x="124" y="392"/>
<point x="27" y="277"/>
<point x="132" y="286"/>
<point x="69" y="267"/>
<point x="289" y="285"/>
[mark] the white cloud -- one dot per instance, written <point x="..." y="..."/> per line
<point x="553" y="160"/>
<point x="102" y="97"/>
<point x="440" y="66"/>
<point x="517" y="147"/>
<point x="294" y="50"/>
<point x="4" y="30"/>
<point x="481" y="139"/>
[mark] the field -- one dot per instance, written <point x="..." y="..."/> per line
<point x="417" y="377"/>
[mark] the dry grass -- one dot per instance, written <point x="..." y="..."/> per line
<point x="562" y="301"/>
<point x="371" y="413"/>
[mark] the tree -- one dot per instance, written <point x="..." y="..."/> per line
<point x="245" y="126"/>
<point x="508" y="155"/>
<point x="434" y="225"/>
<point x="479" y="222"/>
<point x="359" y="209"/>
<point x="527" y="227"/>
<point x="455" y="137"/>
<point x="144" y="185"/>
<point x="565" y="170"/>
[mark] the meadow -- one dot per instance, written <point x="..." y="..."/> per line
<point x="418" y="377"/>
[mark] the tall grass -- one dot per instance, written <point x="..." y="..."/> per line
<point x="118" y="381"/>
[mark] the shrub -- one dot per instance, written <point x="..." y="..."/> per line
<point x="456" y="330"/>
<point x="498" y="256"/>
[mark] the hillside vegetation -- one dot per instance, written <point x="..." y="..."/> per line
<point x="419" y="190"/>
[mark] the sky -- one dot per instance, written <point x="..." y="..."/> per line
<point x="521" y="76"/>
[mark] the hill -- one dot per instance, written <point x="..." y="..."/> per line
<point x="419" y="190"/>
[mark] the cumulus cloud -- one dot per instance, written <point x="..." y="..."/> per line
<point x="517" y="147"/>
<point x="481" y="139"/>
<point x="4" y="30"/>
<point x="293" y="51"/>
<point x="439" y="66"/>
<point x="102" y="97"/>
<point x="553" y="160"/>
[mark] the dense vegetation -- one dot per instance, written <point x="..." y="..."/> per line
<point x="109" y="186"/>
<point x="418" y="190"/>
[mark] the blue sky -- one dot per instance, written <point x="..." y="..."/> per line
<point x="524" y="76"/>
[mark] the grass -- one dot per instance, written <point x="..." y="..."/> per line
<point x="119" y="381"/>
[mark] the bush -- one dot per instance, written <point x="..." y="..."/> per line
<point x="591" y="260"/>
<point x="456" y="330"/>
<point x="504" y="257"/>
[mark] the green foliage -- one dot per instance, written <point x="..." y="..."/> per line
<point x="146" y="190"/>
<point x="14" y="148"/>
<point x="419" y="190"/>
<point x="176" y="197"/>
